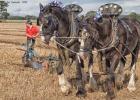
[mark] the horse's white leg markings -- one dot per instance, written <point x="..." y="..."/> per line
<point x="118" y="67"/>
<point x="41" y="28"/>
<point x="120" y="74"/>
<point x="42" y="37"/>
<point x="131" y="85"/>
<point x="64" y="84"/>
<point x="82" y="45"/>
<point x="92" y="81"/>
<point x="90" y="71"/>
<point x="121" y="70"/>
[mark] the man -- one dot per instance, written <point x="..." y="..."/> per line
<point x="32" y="32"/>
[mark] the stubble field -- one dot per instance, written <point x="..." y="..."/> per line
<point x="21" y="83"/>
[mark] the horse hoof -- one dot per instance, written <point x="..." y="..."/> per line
<point x="131" y="88"/>
<point x="91" y="89"/>
<point x="110" y="96"/>
<point x="104" y="87"/>
<point x="81" y="93"/>
<point x="119" y="84"/>
<point x="92" y="85"/>
<point x="66" y="88"/>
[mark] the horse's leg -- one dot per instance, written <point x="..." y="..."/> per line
<point x="92" y="82"/>
<point x="120" y="73"/>
<point x="80" y="83"/>
<point x="99" y="61"/>
<point x="63" y="82"/>
<point x="111" y="77"/>
<point x="131" y="85"/>
<point x="104" y="63"/>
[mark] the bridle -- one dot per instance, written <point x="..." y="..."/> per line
<point x="55" y="32"/>
<point x="111" y="43"/>
<point x="95" y="39"/>
<point x="48" y="26"/>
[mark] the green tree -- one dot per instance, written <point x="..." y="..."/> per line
<point x="133" y="15"/>
<point x="3" y="9"/>
<point x="5" y="15"/>
<point x="30" y="17"/>
<point x="90" y="14"/>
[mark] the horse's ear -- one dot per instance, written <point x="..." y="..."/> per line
<point x="41" y="6"/>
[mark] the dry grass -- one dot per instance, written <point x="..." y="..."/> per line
<point x="20" y="83"/>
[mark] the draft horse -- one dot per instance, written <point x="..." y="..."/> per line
<point x="99" y="35"/>
<point x="55" y="24"/>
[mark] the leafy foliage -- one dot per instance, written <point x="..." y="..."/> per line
<point x="3" y="10"/>
<point x="90" y="14"/>
<point x="134" y="15"/>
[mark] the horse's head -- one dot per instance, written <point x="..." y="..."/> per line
<point x="49" y="20"/>
<point x="95" y="33"/>
<point x="89" y="34"/>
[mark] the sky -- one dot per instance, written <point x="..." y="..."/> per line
<point x="31" y="7"/>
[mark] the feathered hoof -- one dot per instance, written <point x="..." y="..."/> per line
<point x="66" y="88"/>
<point x="119" y="85"/>
<point x="119" y="82"/>
<point x="81" y="93"/>
<point x="110" y="96"/>
<point x="92" y="85"/>
<point x="131" y="88"/>
<point x="104" y="87"/>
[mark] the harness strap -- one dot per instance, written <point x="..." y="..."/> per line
<point x="126" y="26"/>
<point x="114" y="31"/>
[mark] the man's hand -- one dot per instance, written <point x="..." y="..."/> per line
<point x="36" y="35"/>
<point x="29" y="36"/>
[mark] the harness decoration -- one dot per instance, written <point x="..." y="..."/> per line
<point x="111" y="11"/>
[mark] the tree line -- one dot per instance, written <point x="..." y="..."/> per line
<point x="5" y="15"/>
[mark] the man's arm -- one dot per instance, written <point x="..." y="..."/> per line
<point x="36" y="32"/>
<point x="36" y="35"/>
<point x="29" y="35"/>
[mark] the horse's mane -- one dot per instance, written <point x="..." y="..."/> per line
<point x="55" y="4"/>
<point x="58" y="10"/>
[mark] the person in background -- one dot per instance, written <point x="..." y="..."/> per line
<point x="32" y="32"/>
